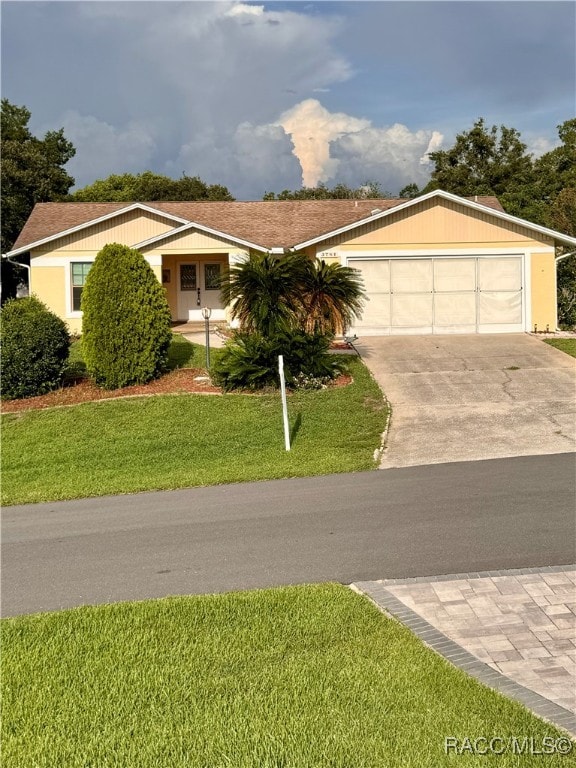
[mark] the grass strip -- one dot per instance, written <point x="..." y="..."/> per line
<point x="177" y="441"/>
<point x="296" y="677"/>
<point x="564" y="345"/>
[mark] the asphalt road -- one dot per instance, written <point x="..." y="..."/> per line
<point x="414" y="521"/>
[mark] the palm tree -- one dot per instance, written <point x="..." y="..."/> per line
<point x="261" y="293"/>
<point x="270" y="294"/>
<point x="331" y="296"/>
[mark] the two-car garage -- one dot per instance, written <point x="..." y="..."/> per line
<point x="441" y="294"/>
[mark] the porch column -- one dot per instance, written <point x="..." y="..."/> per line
<point x="234" y="258"/>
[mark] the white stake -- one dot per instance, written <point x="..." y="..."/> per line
<point x="284" y="403"/>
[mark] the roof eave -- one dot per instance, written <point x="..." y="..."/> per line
<point x="447" y="196"/>
<point x="202" y="228"/>
<point x="91" y="223"/>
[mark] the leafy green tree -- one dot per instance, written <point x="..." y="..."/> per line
<point x="35" y="345"/>
<point x="566" y="280"/>
<point x="483" y="161"/>
<point x="410" y="191"/>
<point x="149" y="186"/>
<point x="32" y="169"/>
<point x="126" y="319"/>
<point x="367" y="191"/>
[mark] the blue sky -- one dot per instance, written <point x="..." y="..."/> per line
<point x="265" y="96"/>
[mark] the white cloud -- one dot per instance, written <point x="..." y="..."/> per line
<point x="240" y="8"/>
<point x="312" y="128"/>
<point x="340" y="147"/>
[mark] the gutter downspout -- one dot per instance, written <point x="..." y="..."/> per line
<point x="564" y="256"/>
<point x="17" y="264"/>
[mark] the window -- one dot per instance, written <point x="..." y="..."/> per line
<point x="187" y="277"/>
<point x="79" y="274"/>
<point x="212" y="277"/>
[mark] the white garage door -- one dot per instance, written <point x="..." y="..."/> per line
<point x="441" y="295"/>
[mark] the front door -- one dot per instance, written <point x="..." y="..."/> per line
<point x="199" y="286"/>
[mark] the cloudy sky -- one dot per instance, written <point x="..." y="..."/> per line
<point x="268" y="96"/>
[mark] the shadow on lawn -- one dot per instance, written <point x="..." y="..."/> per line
<point x="295" y="428"/>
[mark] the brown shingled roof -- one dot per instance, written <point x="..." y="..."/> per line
<point x="273" y="223"/>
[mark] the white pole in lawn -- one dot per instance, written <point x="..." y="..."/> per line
<point x="284" y="404"/>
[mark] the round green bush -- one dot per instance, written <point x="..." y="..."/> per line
<point x="35" y="345"/>
<point x="126" y="319"/>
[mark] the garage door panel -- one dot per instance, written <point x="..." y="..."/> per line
<point x="376" y="275"/>
<point x="455" y="309"/>
<point x="412" y="276"/>
<point x="412" y="310"/>
<point x="376" y="311"/>
<point x="500" y="308"/>
<point x="500" y="274"/>
<point x="454" y="275"/>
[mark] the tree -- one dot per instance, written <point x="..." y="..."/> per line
<point x="261" y="291"/>
<point x="410" y="191"/>
<point x="329" y="296"/>
<point x="483" y="162"/>
<point x="149" y="186"/>
<point x="126" y="319"/>
<point x="272" y="294"/>
<point x="368" y="191"/>
<point x="32" y="169"/>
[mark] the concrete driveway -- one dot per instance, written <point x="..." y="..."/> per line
<point x="464" y="398"/>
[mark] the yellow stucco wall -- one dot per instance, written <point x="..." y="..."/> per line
<point x="48" y="286"/>
<point x="543" y="278"/>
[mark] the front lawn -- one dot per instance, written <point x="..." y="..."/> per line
<point x="297" y="677"/>
<point x="565" y="345"/>
<point x="176" y="441"/>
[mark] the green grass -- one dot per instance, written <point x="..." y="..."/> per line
<point x="564" y="345"/>
<point x="298" y="677"/>
<point x="176" y="441"/>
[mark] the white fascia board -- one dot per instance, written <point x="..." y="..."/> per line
<point x="202" y="228"/>
<point x="447" y="196"/>
<point x="92" y="222"/>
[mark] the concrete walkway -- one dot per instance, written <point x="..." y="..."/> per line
<point x="513" y="630"/>
<point x="464" y="398"/>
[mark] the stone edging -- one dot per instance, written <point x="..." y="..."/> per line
<point x="456" y="654"/>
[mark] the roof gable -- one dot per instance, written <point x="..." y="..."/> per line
<point x="263" y="225"/>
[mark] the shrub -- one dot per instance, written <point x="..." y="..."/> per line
<point x="250" y="360"/>
<point x="126" y="319"/>
<point x="35" y="345"/>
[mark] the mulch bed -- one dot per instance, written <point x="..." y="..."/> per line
<point x="180" y="381"/>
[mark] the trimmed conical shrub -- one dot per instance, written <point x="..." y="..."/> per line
<point x="126" y="319"/>
<point x="35" y="345"/>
